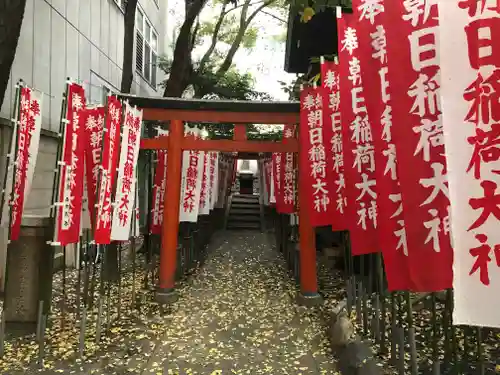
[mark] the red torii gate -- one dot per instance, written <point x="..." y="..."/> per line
<point x="237" y="112"/>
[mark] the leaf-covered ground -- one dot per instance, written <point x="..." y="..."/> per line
<point x="235" y="315"/>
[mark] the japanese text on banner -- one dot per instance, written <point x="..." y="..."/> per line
<point x="27" y="138"/>
<point x="374" y="60"/>
<point x="315" y="171"/>
<point x="333" y="138"/>
<point x="286" y="203"/>
<point x="469" y="50"/>
<point x="126" y="183"/>
<point x="159" y="188"/>
<point x="92" y="120"/>
<point x="205" y="189"/>
<point x="158" y="195"/>
<point x="357" y="140"/>
<point x="276" y="177"/>
<point x="192" y="174"/>
<point x="412" y="33"/>
<point x="213" y="178"/>
<point x="102" y="233"/>
<point x="72" y="170"/>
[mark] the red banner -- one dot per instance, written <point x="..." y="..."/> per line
<point x="314" y="166"/>
<point x="72" y="170"/>
<point x="92" y="120"/>
<point x="373" y="59"/>
<point x="213" y="158"/>
<point x="359" y="152"/>
<point x="333" y="137"/>
<point x="414" y="74"/>
<point x="102" y="233"/>
<point x="204" y="194"/>
<point x="159" y="186"/>
<point x="286" y="202"/>
<point x="26" y="126"/>
<point x="276" y="167"/>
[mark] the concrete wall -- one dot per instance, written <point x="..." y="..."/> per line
<point x="81" y="39"/>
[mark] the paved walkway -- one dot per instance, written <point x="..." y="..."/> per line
<point x="238" y="316"/>
<point x="235" y="315"/>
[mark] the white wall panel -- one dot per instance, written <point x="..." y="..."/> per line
<point x="84" y="17"/>
<point x="72" y="7"/>
<point x="59" y="6"/>
<point x="58" y="68"/>
<point x="95" y="21"/>
<point x="72" y="57"/>
<point x="84" y="61"/>
<point x="42" y="56"/>
<point x="104" y="41"/>
<point x="23" y="63"/>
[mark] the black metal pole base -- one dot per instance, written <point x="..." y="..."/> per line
<point x="166" y="296"/>
<point x="309" y="299"/>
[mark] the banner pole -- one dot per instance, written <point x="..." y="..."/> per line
<point x="10" y="163"/>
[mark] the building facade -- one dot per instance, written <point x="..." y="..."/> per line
<point x="83" y="40"/>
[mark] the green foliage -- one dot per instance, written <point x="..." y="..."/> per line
<point x="318" y="5"/>
<point x="213" y="76"/>
<point x="226" y="131"/>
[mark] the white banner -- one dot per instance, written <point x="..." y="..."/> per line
<point x="470" y="74"/>
<point x="192" y="174"/>
<point x="126" y="183"/>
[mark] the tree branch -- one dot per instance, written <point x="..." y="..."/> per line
<point x="244" y="23"/>
<point x="274" y="16"/>
<point x="194" y="35"/>
<point x="182" y="66"/>
<point x="215" y="36"/>
<point x="128" y="46"/>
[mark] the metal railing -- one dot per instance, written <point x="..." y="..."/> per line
<point x="410" y="333"/>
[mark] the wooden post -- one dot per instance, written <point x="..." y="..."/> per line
<point x="168" y="257"/>
<point x="307" y="241"/>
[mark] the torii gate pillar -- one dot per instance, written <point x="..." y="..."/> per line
<point x="165" y="292"/>
<point x="308" y="295"/>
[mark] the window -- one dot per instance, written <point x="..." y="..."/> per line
<point x="146" y="50"/>
<point x="121" y="4"/>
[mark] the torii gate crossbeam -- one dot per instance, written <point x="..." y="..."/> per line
<point x="237" y="112"/>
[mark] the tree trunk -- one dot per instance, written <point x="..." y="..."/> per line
<point x="11" y="19"/>
<point x="182" y="65"/>
<point x="128" y="46"/>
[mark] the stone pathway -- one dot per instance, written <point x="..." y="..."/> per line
<point x="238" y="316"/>
<point x="235" y="315"/>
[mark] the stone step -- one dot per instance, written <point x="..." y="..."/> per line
<point x="246" y="225"/>
<point x="245" y="218"/>
<point x="244" y="211"/>
<point x="245" y="206"/>
<point x="245" y="199"/>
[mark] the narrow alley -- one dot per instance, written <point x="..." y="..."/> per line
<point x="238" y="316"/>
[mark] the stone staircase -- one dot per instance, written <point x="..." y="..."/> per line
<point x="244" y="212"/>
